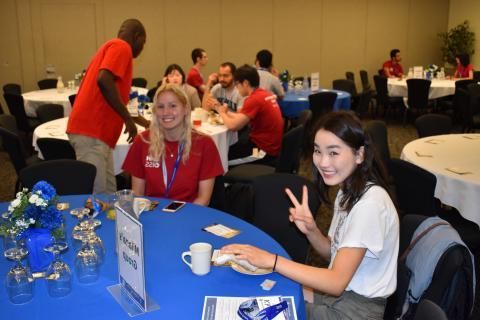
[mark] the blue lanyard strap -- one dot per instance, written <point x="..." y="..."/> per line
<point x="168" y="185"/>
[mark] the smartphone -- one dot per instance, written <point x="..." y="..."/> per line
<point x="174" y="206"/>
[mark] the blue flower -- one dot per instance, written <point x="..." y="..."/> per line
<point x="46" y="189"/>
<point x="51" y="218"/>
<point x="32" y="211"/>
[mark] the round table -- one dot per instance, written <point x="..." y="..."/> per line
<point x="438" y="88"/>
<point x="222" y="137"/>
<point x="295" y="102"/>
<point x="169" y="282"/>
<point x="443" y="154"/>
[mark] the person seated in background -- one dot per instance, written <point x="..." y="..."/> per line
<point x="174" y="74"/>
<point x="268" y="80"/>
<point x="363" y="240"/>
<point x="194" y="77"/>
<point x="170" y="160"/>
<point x="224" y="91"/>
<point x="464" y="67"/>
<point x="259" y="112"/>
<point x="392" y="68"/>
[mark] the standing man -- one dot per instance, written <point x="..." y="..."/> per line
<point x="392" y="68"/>
<point x="224" y="91"/>
<point x="262" y="114"/>
<point x="96" y="121"/>
<point x="268" y="80"/>
<point x="194" y="77"/>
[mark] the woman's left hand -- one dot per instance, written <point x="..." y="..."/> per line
<point x="254" y="255"/>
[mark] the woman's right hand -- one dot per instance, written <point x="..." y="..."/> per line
<point x="300" y="214"/>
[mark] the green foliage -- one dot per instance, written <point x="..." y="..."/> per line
<point x="460" y="39"/>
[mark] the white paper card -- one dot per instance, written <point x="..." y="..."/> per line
<point x="315" y="81"/>
<point x="221" y="230"/>
<point x="132" y="107"/>
<point x="418" y="72"/>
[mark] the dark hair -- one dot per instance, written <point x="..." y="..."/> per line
<point x="248" y="73"/>
<point x="174" y="67"/>
<point x="371" y="171"/>
<point x="264" y="58"/>
<point x="393" y="53"/>
<point x="197" y="53"/>
<point x="230" y="65"/>
<point x="464" y="59"/>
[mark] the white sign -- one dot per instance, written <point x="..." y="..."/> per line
<point x="315" y="81"/>
<point x="418" y="72"/>
<point x="131" y="274"/>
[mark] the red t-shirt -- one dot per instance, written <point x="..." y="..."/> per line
<point x="266" y="121"/>
<point x="395" y="69"/>
<point x="202" y="164"/>
<point x="92" y="116"/>
<point x="464" y="72"/>
<point x="195" y="79"/>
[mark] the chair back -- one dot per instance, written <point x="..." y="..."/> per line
<point x="428" y="309"/>
<point x="414" y="188"/>
<point x="418" y="90"/>
<point x="72" y="98"/>
<point x="7" y="121"/>
<point x="289" y="158"/>
<point x="476" y="75"/>
<point x="12" y="88"/>
<point x="53" y="149"/>
<point x="139" y="82"/>
<point x="49" y="111"/>
<point x="364" y="78"/>
<point x="377" y="130"/>
<point x="350" y="76"/>
<point x="218" y="200"/>
<point x="271" y="210"/>
<point x="321" y="103"/>
<point x="13" y="145"/>
<point x="47" y="84"/>
<point x="381" y="87"/>
<point x="462" y="107"/>
<point x="151" y="93"/>
<point x="345" y="85"/>
<point x="66" y="175"/>
<point x="433" y="124"/>
<point x="463" y="84"/>
<point x="364" y="103"/>
<point x="16" y="107"/>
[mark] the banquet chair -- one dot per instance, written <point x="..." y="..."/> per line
<point x="452" y="106"/>
<point x="139" y="82"/>
<point x="53" y="149"/>
<point x="72" y="98"/>
<point x="366" y="86"/>
<point x="8" y="122"/>
<point x="433" y="124"/>
<point x="363" y="103"/>
<point x="418" y="90"/>
<point x="49" y="111"/>
<point x="16" y="107"/>
<point x="414" y="188"/>
<point x="383" y="99"/>
<point x="218" y="198"/>
<point x="151" y="93"/>
<point x="476" y="75"/>
<point x="428" y="309"/>
<point x="472" y="108"/>
<point x="348" y="86"/>
<point x="66" y="175"/>
<point x="287" y="162"/>
<point x="321" y="103"/>
<point x="350" y="76"/>
<point x="271" y="210"/>
<point x="377" y="130"/>
<point x="47" y="84"/>
<point x="12" y="88"/>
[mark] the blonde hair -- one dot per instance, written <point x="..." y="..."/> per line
<point x="157" y="143"/>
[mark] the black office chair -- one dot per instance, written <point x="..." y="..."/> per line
<point x="16" y="107"/>
<point x="433" y="124"/>
<point x="427" y="309"/>
<point x="72" y="98"/>
<point x="139" y="82"/>
<point x="377" y="130"/>
<point x="47" y="84"/>
<point x="66" y="175"/>
<point x="418" y="90"/>
<point x="383" y="99"/>
<point x="49" y="111"/>
<point x="271" y="210"/>
<point x="53" y="149"/>
<point x="287" y="162"/>
<point x="414" y="188"/>
<point x="12" y="88"/>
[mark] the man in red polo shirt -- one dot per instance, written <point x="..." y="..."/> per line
<point x="261" y="113"/>
<point x="99" y="112"/>
<point x="392" y="68"/>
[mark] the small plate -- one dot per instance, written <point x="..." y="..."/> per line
<point x="258" y="272"/>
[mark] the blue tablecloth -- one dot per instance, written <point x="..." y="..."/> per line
<point x="179" y="293"/>
<point x="295" y="102"/>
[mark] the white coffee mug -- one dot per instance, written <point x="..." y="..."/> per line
<point x="201" y="254"/>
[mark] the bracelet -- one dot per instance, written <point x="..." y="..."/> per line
<point x="275" y="263"/>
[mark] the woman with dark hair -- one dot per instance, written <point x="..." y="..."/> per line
<point x="174" y="74"/>
<point x="464" y="67"/>
<point x="363" y="239"/>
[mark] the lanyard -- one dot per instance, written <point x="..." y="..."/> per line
<point x="168" y="185"/>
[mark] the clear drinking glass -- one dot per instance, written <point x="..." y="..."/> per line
<point x="58" y="276"/>
<point x="86" y="261"/>
<point x="19" y="280"/>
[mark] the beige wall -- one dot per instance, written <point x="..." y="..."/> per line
<point x="461" y="10"/>
<point x="329" y="36"/>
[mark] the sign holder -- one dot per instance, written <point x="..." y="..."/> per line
<point x="130" y="292"/>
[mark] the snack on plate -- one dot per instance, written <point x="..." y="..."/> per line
<point x="88" y="204"/>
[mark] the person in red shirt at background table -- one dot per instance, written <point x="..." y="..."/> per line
<point x="170" y="160"/>
<point x="464" y="67"/>
<point x="194" y="77"/>
<point x="392" y="68"/>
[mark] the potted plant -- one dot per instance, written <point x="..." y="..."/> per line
<point x="459" y="39"/>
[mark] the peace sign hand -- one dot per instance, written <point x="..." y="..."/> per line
<point x="300" y="214"/>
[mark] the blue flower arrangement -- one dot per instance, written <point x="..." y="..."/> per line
<point x="34" y="209"/>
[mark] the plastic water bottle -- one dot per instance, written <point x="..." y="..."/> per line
<point x="60" y="85"/>
<point x="306" y="85"/>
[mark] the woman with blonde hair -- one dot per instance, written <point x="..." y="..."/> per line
<point x="170" y="160"/>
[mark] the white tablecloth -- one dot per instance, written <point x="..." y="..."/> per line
<point x="460" y="152"/>
<point x="438" y="88"/>
<point x="220" y="135"/>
